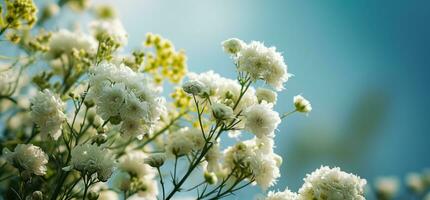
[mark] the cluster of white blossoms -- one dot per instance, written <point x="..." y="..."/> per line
<point x="184" y="141"/>
<point x="323" y="184"/>
<point x="47" y="113"/>
<point x="124" y="96"/>
<point x="260" y="62"/>
<point x="91" y="159"/>
<point x="134" y="174"/>
<point x="283" y="195"/>
<point x="255" y="159"/>
<point x="29" y="159"/>
<point x="332" y="183"/>
<point x="64" y="41"/>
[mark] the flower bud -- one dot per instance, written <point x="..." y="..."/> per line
<point x="93" y="195"/>
<point x="302" y="104"/>
<point x="266" y="95"/>
<point x="37" y="195"/>
<point x="210" y="178"/>
<point x="156" y="160"/>
<point x="221" y="112"/>
<point x="194" y="87"/>
<point x="100" y="138"/>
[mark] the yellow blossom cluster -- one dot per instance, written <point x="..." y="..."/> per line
<point x="166" y="63"/>
<point x="18" y="12"/>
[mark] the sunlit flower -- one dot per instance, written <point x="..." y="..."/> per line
<point x="332" y="183"/>
<point x="261" y="120"/>
<point x="302" y="104"/>
<point x="47" y="113"/>
<point x="28" y="158"/>
<point x="91" y="159"/>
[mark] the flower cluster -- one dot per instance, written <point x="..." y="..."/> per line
<point x="259" y="61"/>
<point x="92" y="159"/>
<point x="27" y="158"/>
<point x="97" y="111"/>
<point x="47" y="113"/>
<point x="125" y="97"/>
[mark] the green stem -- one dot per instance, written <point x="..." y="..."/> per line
<point x="161" y="182"/>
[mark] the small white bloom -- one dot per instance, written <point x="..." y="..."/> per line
<point x="332" y="183"/>
<point x="387" y="187"/>
<point x="195" y="87"/>
<point x="261" y="120"/>
<point x="47" y="113"/>
<point x="266" y="95"/>
<point x="221" y="112"/>
<point x="108" y="195"/>
<point x="90" y="158"/>
<point x="415" y="182"/>
<point x="302" y="104"/>
<point x="64" y="41"/>
<point x="232" y="46"/>
<point x="134" y="163"/>
<point x="111" y="27"/>
<point x="178" y="144"/>
<point x="27" y="157"/>
<point x="284" y="195"/>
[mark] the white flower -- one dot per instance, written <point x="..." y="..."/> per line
<point x="156" y="159"/>
<point x="414" y="182"/>
<point x="264" y="63"/>
<point x="122" y="95"/>
<point x="248" y="159"/>
<point x="194" y="135"/>
<point x="332" y="183"/>
<point x="195" y="87"/>
<point x="221" y="112"/>
<point x="27" y="157"/>
<point x="149" y="191"/>
<point x="111" y="27"/>
<point x="134" y="164"/>
<point x="178" y="144"/>
<point x="7" y="80"/>
<point x="301" y="104"/>
<point x="233" y="45"/>
<point x="64" y="41"/>
<point x="284" y="195"/>
<point x="387" y="187"/>
<point x="261" y="120"/>
<point x="108" y="195"/>
<point x="266" y="95"/>
<point x="47" y="113"/>
<point x="111" y="100"/>
<point x="90" y="158"/>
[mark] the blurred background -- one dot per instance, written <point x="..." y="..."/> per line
<point x="364" y="65"/>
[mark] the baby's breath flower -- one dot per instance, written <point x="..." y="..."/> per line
<point x="64" y="41"/>
<point x="221" y="112"/>
<point x="156" y="160"/>
<point x="90" y="159"/>
<point x="332" y="183"/>
<point x="264" y="63"/>
<point x="415" y="182"/>
<point x="302" y="104"/>
<point x="134" y="164"/>
<point x="386" y="187"/>
<point x="47" y="113"/>
<point x="195" y="87"/>
<point x="178" y="144"/>
<point x="233" y="46"/>
<point x="284" y="195"/>
<point x="124" y="96"/>
<point x="110" y="27"/>
<point x="28" y="158"/>
<point x="266" y="95"/>
<point x="261" y="120"/>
